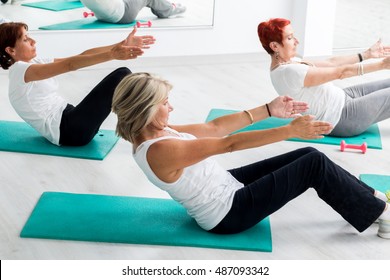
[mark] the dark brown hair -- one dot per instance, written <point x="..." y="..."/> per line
<point x="10" y="32"/>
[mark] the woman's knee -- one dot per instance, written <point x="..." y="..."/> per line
<point x="313" y="152"/>
<point x="122" y="71"/>
<point x="116" y="76"/>
<point x="313" y="159"/>
<point x="309" y="149"/>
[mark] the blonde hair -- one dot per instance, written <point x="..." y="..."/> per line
<point x="135" y="102"/>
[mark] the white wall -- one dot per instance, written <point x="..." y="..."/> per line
<point x="313" y="22"/>
<point x="234" y="31"/>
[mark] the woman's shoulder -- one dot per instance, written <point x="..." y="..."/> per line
<point x="291" y="68"/>
<point x="33" y="61"/>
<point x="42" y="60"/>
<point x="144" y="145"/>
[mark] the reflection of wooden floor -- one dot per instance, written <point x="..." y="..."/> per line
<point x="199" y="13"/>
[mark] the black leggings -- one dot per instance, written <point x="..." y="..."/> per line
<point x="271" y="183"/>
<point x="80" y="124"/>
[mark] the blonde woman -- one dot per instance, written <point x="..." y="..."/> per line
<point x="177" y="159"/>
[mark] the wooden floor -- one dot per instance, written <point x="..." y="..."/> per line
<point x="305" y="229"/>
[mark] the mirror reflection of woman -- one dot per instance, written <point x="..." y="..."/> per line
<point x="350" y="110"/>
<point x="126" y="11"/>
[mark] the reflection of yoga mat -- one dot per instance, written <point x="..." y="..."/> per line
<point x="134" y="220"/>
<point x="55" y="5"/>
<point x="21" y="137"/>
<point x="87" y="23"/>
<point x="371" y="136"/>
<point x="378" y="182"/>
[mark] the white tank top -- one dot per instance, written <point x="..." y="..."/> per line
<point x="205" y="189"/>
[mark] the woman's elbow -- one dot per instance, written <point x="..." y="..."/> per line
<point x="71" y="67"/>
<point x="344" y="74"/>
<point x="215" y="130"/>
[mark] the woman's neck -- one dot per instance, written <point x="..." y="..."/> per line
<point x="275" y="63"/>
<point x="149" y="134"/>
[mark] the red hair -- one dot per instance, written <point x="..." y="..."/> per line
<point x="271" y="31"/>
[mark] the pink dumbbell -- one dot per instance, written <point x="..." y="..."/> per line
<point x="140" y="24"/>
<point x="87" y="14"/>
<point x="362" y="147"/>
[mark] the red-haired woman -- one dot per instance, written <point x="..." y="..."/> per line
<point x="350" y="110"/>
<point x="33" y="89"/>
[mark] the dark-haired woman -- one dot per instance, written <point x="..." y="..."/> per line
<point x="33" y="89"/>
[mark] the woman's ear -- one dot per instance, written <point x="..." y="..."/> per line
<point x="9" y="50"/>
<point x="274" y="46"/>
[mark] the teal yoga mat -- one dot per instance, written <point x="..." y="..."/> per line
<point x="134" y="220"/>
<point x="87" y="23"/>
<point x="21" y="137"/>
<point x="378" y="182"/>
<point x="371" y="136"/>
<point x="55" y="5"/>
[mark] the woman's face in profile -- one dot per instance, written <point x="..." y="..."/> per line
<point x="24" y="49"/>
<point x="161" y="117"/>
<point x="290" y="43"/>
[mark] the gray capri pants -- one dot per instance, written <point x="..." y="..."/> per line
<point x="365" y="105"/>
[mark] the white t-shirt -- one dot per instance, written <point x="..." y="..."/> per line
<point x="37" y="102"/>
<point x="205" y="189"/>
<point x="326" y="101"/>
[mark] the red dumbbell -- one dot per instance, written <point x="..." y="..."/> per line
<point x="87" y="14"/>
<point x="140" y="24"/>
<point x="362" y="147"/>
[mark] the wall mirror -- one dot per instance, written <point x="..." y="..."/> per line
<point x="199" y="13"/>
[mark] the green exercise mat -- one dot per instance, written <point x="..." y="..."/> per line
<point x="87" y="23"/>
<point x="55" y="5"/>
<point x="134" y="220"/>
<point x="378" y="182"/>
<point x="21" y="137"/>
<point x="371" y="136"/>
